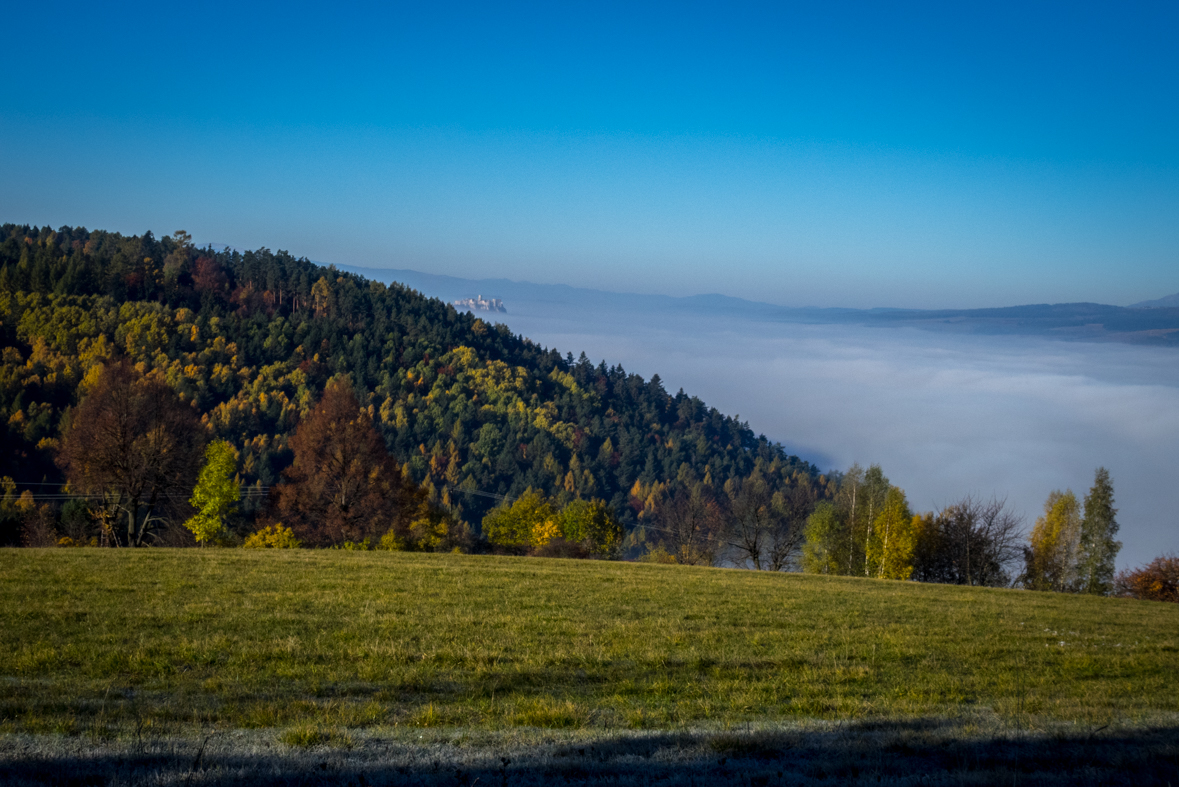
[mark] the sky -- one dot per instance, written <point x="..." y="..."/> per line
<point x="832" y="154"/>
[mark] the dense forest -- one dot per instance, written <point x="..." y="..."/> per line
<point x="471" y="413"/>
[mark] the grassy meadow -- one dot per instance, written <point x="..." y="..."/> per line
<point x="317" y="643"/>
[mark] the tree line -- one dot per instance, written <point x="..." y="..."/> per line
<point x="261" y="399"/>
<point x="470" y="413"/>
<point x="868" y="529"/>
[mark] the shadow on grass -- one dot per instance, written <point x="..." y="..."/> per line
<point x="911" y="752"/>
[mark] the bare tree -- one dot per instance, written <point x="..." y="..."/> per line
<point x="690" y="526"/>
<point x="766" y="530"/>
<point x="970" y="543"/>
<point x="751" y="520"/>
<point x="135" y="446"/>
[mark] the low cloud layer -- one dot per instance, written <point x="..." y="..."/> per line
<point x="945" y="415"/>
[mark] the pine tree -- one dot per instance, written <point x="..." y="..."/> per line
<point x="1098" y="546"/>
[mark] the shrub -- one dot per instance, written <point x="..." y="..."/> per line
<point x="559" y="547"/>
<point x="592" y="524"/>
<point x="273" y="537"/>
<point x="391" y="542"/>
<point x="1156" y="581"/>
<point x="657" y="555"/>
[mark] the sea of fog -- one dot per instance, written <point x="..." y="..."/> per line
<point x="945" y="415"/>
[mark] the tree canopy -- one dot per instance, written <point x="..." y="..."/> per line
<point x="249" y="341"/>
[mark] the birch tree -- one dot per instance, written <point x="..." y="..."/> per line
<point x="1055" y="545"/>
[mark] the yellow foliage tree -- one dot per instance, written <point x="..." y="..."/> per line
<point x="1055" y="544"/>
<point x="894" y="536"/>
<point x="521" y="523"/>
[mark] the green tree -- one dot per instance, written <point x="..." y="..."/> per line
<point x="824" y="538"/>
<point x="592" y="524"/>
<point x="1098" y="547"/>
<point x="216" y="494"/>
<point x="529" y="521"/>
<point x="872" y="497"/>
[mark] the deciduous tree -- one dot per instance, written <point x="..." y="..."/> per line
<point x="690" y="524"/>
<point x="824" y="537"/>
<point x="1055" y="544"/>
<point x="529" y="521"/>
<point x="134" y="445"/>
<point x="342" y="485"/>
<point x="890" y="550"/>
<point x="592" y="525"/>
<point x="216" y="494"/>
<point x="1156" y="581"/>
<point x="968" y="543"/>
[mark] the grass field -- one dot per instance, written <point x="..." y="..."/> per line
<point x="316" y="643"/>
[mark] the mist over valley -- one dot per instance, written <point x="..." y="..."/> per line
<point x="946" y="411"/>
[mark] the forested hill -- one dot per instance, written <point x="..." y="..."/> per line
<point x="251" y="340"/>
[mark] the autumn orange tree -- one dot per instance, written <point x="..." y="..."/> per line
<point x="132" y="444"/>
<point x="343" y="485"/>
<point x="1156" y="581"/>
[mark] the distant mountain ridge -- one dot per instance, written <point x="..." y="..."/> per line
<point x="1149" y="322"/>
<point x="1169" y="302"/>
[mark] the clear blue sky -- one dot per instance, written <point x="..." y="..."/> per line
<point x="872" y="154"/>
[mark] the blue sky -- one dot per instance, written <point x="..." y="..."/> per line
<point x="858" y="154"/>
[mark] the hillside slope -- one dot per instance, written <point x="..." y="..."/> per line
<point x="234" y="638"/>
<point x="470" y="410"/>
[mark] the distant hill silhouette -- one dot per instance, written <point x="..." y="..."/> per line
<point x="1169" y="302"/>
<point x="1150" y="322"/>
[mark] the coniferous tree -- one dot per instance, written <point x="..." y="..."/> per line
<point x="251" y="339"/>
<point x="1098" y="547"/>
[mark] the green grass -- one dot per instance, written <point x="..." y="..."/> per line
<point x="108" y="641"/>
